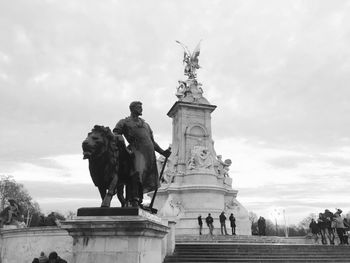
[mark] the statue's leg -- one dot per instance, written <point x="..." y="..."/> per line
<point x="140" y="193"/>
<point x="102" y="191"/>
<point x="120" y="194"/>
<point x="9" y="219"/>
<point x="134" y="190"/>
<point x="111" y="190"/>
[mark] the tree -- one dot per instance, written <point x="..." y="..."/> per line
<point x="70" y="215"/>
<point x="253" y="218"/>
<point x="10" y="189"/>
<point x="306" y="221"/>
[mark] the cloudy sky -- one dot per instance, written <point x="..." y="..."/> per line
<point x="277" y="70"/>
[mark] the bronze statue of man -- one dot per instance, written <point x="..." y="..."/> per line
<point x="144" y="176"/>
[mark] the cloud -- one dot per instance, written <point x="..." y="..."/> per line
<point x="278" y="72"/>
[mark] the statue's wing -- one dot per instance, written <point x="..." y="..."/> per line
<point x="195" y="54"/>
<point x="186" y="51"/>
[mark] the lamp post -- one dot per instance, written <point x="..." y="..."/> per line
<point x="276" y="214"/>
<point x="285" y="223"/>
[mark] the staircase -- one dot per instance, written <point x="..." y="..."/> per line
<point x="242" y="239"/>
<point x="226" y="250"/>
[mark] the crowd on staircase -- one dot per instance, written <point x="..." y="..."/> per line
<point x="222" y="218"/>
<point x="327" y="225"/>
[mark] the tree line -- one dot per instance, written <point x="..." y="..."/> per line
<point x="30" y="209"/>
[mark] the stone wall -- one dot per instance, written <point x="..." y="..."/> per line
<point x="22" y="245"/>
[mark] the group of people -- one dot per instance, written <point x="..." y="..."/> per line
<point x="53" y="258"/>
<point x="222" y="218"/>
<point x="328" y="224"/>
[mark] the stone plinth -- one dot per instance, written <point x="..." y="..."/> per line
<point x="121" y="238"/>
<point x="195" y="182"/>
<point x="21" y="245"/>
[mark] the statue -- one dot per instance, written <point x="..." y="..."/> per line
<point x="191" y="60"/>
<point x="144" y="174"/>
<point x="191" y="90"/>
<point x="109" y="163"/>
<point x="223" y="166"/>
<point x="201" y="158"/>
<point x="11" y="215"/>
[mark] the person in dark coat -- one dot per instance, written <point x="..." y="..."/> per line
<point x="35" y="260"/>
<point x="209" y="220"/>
<point x="330" y="225"/>
<point x="315" y="230"/>
<point x="222" y="218"/>
<point x="54" y="258"/>
<point x="321" y="222"/>
<point x="262" y="226"/>
<point x="200" y="223"/>
<point x="233" y="223"/>
<point x="347" y="228"/>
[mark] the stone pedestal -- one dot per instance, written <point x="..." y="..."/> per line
<point x="195" y="181"/>
<point x="117" y="238"/>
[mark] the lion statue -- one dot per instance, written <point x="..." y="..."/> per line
<point x="109" y="163"/>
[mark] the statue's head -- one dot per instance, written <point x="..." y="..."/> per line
<point x="97" y="142"/>
<point x="136" y="108"/>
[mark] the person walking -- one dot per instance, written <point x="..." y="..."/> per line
<point x="340" y="227"/>
<point x="330" y="225"/>
<point x="233" y="224"/>
<point x="200" y="223"/>
<point x="321" y="222"/>
<point x="222" y="218"/>
<point x="347" y="228"/>
<point x="315" y="230"/>
<point x="209" y="220"/>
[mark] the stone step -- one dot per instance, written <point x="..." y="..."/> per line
<point x="274" y="247"/>
<point x="207" y="253"/>
<point x="279" y="260"/>
<point x="242" y="239"/>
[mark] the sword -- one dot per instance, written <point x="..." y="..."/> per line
<point x="154" y="211"/>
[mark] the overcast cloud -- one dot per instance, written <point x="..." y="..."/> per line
<point x="277" y="70"/>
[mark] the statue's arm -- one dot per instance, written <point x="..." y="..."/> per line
<point x="157" y="148"/>
<point x="119" y="127"/>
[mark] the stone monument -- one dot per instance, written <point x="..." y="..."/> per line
<point x="196" y="180"/>
<point x="129" y="233"/>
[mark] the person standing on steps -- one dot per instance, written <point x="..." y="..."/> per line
<point x="200" y="223"/>
<point x="209" y="220"/>
<point x="233" y="224"/>
<point x="222" y="218"/>
<point x="262" y="226"/>
<point x="322" y="226"/>
<point x="315" y="230"/>
<point x="330" y="225"/>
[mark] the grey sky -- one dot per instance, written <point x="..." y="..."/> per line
<point x="277" y="70"/>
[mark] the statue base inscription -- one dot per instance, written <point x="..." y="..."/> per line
<point x="132" y="238"/>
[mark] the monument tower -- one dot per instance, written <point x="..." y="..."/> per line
<point x="196" y="180"/>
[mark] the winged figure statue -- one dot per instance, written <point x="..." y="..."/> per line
<point x="191" y="60"/>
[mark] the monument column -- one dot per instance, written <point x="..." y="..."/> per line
<point x="196" y="180"/>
